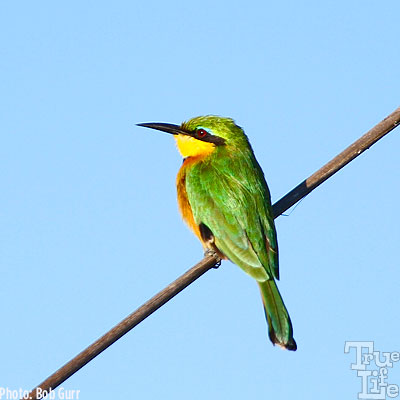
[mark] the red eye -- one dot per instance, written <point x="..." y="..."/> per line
<point x="201" y="133"/>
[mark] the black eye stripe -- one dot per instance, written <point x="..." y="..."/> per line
<point x="218" y="141"/>
<point x="205" y="136"/>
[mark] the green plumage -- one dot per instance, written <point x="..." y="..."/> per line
<point x="228" y="193"/>
<point x="230" y="202"/>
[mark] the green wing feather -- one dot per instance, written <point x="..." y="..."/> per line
<point x="231" y="197"/>
<point x="228" y="193"/>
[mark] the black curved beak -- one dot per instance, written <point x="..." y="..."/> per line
<point x="160" y="126"/>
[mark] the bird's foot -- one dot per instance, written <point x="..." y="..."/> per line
<point x="213" y="253"/>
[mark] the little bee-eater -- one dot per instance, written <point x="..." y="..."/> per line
<point x="224" y="198"/>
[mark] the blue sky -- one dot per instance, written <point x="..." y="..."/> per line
<point x="89" y="227"/>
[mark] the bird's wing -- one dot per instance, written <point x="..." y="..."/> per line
<point x="235" y="206"/>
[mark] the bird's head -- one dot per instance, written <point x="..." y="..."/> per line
<point x="200" y="136"/>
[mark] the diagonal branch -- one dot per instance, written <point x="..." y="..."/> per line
<point x="337" y="163"/>
<point x="208" y="262"/>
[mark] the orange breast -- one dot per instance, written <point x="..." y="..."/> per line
<point x="183" y="202"/>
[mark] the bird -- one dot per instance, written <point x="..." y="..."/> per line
<point x="224" y="198"/>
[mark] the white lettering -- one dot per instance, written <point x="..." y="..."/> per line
<point x="359" y="365"/>
<point x="373" y="369"/>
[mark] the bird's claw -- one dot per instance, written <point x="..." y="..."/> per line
<point x="212" y="253"/>
<point x="217" y="264"/>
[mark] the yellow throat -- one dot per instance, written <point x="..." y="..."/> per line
<point x="191" y="147"/>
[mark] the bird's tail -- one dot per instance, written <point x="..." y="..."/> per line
<point x="279" y="325"/>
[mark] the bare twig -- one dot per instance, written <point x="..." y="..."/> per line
<point x="209" y="262"/>
<point x="337" y="163"/>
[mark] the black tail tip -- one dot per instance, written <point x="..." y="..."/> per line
<point x="287" y="345"/>
<point x="290" y="345"/>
